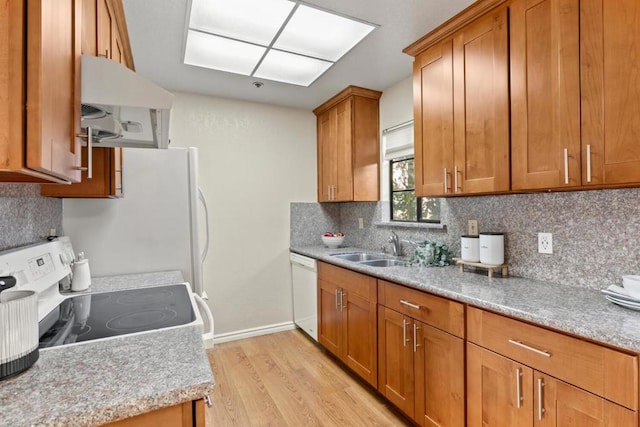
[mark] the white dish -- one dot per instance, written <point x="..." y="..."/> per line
<point x="632" y="285"/>
<point x="626" y="304"/>
<point x="332" y="242"/>
<point x="619" y="293"/>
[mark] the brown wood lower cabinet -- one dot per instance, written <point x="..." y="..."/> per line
<point x="509" y="377"/>
<point x="347" y="318"/>
<point x="188" y="414"/>
<point x="421" y="367"/>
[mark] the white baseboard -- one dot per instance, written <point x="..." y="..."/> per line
<point x="253" y="332"/>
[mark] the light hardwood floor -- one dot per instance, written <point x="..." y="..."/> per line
<point x="285" y="379"/>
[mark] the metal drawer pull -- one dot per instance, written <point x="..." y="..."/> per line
<point x="404" y="332"/>
<point x="535" y="350"/>
<point x="566" y="166"/>
<point x="540" y="397"/>
<point x="336" y="295"/>
<point x="519" y="397"/>
<point x="415" y="338"/>
<point x="408" y="304"/>
<point x="588" y="162"/>
<point x="207" y="400"/>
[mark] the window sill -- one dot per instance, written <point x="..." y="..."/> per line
<point x="418" y="225"/>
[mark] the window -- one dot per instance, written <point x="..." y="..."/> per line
<point x="404" y="204"/>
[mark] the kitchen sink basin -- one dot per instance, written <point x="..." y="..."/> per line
<point x="361" y="256"/>
<point x="385" y="263"/>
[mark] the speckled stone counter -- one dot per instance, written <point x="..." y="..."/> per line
<point x="582" y="312"/>
<point x="102" y="381"/>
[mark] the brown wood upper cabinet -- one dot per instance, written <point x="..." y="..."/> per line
<point x="461" y="110"/>
<point x="39" y="115"/>
<point x="348" y="146"/>
<point x="104" y="33"/>
<point x="347" y="318"/>
<point x="574" y="97"/>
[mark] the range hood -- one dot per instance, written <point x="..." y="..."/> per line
<point x="121" y="108"/>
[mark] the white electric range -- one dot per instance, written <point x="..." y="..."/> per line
<point x="67" y="318"/>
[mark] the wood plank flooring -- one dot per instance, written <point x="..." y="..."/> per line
<point x="285" y="379"/>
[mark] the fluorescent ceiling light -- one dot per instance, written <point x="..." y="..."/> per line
<point x="254" y="21"/>
<point x="206" y="50"/>
<point x="238" y="36"/>
<point x="320" y="34"/>
<point x="291" y="68"/>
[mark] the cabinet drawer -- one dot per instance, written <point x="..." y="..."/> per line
<point x="435" y="311"/>
<point x="606" y="372"/>
<point x="355" y="283"/>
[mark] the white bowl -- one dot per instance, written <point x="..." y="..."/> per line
<point x="632" y="285"/>
<point x="332" y="242"/>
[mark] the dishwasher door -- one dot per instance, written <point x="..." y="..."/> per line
<point x="304" y="281"/>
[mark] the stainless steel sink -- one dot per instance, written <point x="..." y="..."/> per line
<point x="385" y="263"/>
<point x="360" y="256"/>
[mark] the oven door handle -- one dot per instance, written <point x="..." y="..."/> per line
<point x="208" y="335"/>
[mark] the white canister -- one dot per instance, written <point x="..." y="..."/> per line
<point x="18" y="332"/>
<point x="492" y="248"/>
<point x="470" y="248"/>
<point x="81" y="279"/>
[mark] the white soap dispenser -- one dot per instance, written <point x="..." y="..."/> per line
<point x="81" y="274"/>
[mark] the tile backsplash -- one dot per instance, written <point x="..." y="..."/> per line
<point x="596" y="234"/>
<point x="25" y="216"/>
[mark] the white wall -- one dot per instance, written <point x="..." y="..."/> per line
<point x="254" y="160"/>
<point x="396" y="106"/>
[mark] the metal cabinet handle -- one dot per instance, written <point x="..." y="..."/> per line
<point x="566" y="166"/>
<point x="336" y="295"/>
<point x="527" y="347"/>
<point x="207" y="400"/>
<point x="540" y="398"/>
<point x="342" y="295"/>
<point x="446" y="181"/>
<point x="415" y="338"/>
<point x="408" y="304"/>
<point x="519" y="397"/>
<point x="457" y="187"/>
<point x="89" y="168"/>
<point x="588" y="162"/>
<point x="404" y="332"/>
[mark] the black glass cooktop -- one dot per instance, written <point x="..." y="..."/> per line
<point x="108" y="314"/>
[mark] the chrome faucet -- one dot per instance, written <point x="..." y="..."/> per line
<point x="395" y="243"/>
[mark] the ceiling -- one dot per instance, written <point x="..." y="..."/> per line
<point x="157" y="31"/>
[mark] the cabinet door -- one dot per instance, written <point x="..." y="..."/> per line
<point x="395" y="359"/>
<point x="545" y="94"/>
<point x="439" y="377"/>
<point x="344" y="179"/>
<point x="494" y="384"/>
<point x="481" y="105"/>
<point x="557" y="403"/>
<point x="327" y="167"/>
<point x="53" y="113"/>
<point x="106" y="29"/>
<point x="433" y="120"/>
<point x="359" y="329"/>
<point x="610" y="56"/>
<point x="329" y="317"/>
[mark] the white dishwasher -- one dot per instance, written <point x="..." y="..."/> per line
<point x="304" y="281"/>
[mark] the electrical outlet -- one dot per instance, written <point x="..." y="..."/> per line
<point x="472" y="227"/>
<point x="360" y="223"/>
<point x="545" y="243"/>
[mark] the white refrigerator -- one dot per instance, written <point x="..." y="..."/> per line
<point x="160" y="224"/>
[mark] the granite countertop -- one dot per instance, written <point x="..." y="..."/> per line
<point x="102" y="381"/>
<point x="561" y="306"/>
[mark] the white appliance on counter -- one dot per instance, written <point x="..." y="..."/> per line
<point x="304" y="280"/>
<point x="154" y="227"/>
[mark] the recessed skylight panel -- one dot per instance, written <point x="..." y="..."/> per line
<point x="219" y="53"/>
<point x="320" y="34"/>
<point x="254" y="21"/>
<point x="290" y="68"/>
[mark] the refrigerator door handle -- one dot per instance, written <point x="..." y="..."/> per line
<point x="207" y="336"/>
<point x="201" y="197"/>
